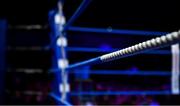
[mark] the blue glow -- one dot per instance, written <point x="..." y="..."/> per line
<point x="117" y="31"/>
<point x="82" y="49"/>
<point x="105" y="47"/>
<point x="154" y="104"/>
<point x="84" y="75"/>
<point x="134" y="69"/>
<point x="124" y="72"/>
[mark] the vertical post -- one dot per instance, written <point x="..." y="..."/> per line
<point x="175" y="69"/>
<point x="60" y="61"/>
<point x="3" y="27"/>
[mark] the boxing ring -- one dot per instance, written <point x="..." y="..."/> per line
<point x="61" y="67"/>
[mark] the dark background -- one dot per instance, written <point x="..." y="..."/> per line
<point x="150" y="15"/>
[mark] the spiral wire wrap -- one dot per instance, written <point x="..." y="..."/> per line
<point x="147" y="45"/>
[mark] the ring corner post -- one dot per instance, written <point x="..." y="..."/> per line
<point x="60" y="62"/>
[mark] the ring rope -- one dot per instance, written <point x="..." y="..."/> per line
<point x="154" y="43"/>
<point x="150" y="44"/>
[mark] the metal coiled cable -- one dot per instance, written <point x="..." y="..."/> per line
<point x="147" y="45"/>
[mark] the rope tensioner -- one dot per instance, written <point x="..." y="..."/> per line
<point x="154" y="43"/>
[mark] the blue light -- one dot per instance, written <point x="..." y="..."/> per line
<point x="105" y="47"/>
<point x="124" y="72"/>
<point x="83" y="49"/>
<point x="116" y="31"/>
<point x="85" y="73"/>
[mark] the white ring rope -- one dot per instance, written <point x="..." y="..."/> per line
<point x="153" y="43"/>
